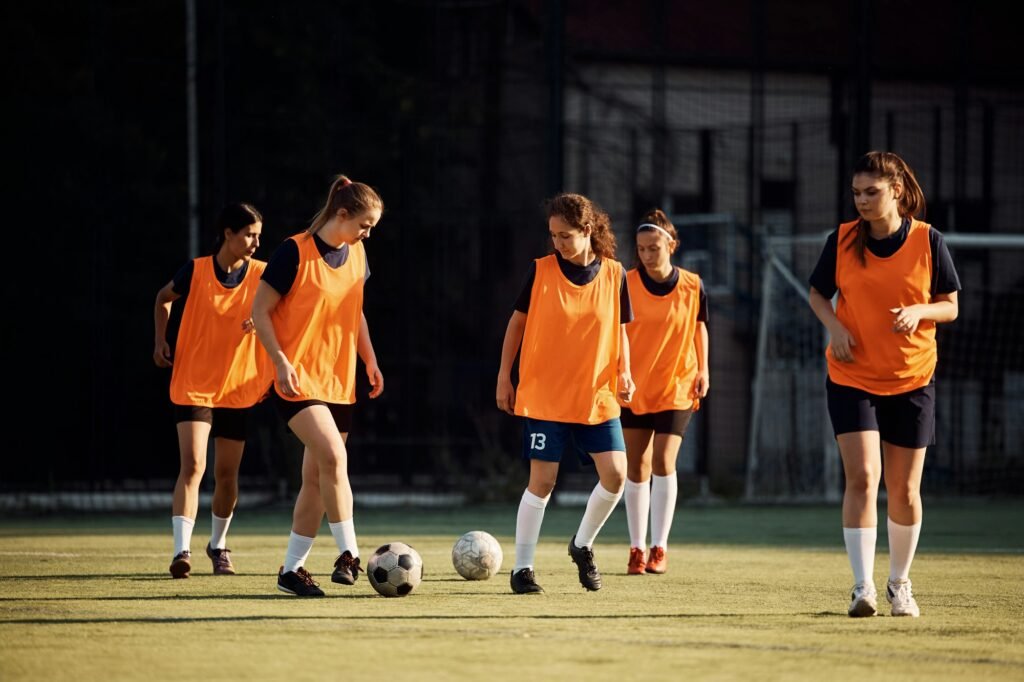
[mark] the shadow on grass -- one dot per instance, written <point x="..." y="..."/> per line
<point x="425" y="617"/>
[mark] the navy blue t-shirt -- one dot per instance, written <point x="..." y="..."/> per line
<point x="578" y="275"/>
<point x="944" y="277"/>
<point x="283" y="266"/>
<point x="182" y="280"/>
<point x="665" y="288"/>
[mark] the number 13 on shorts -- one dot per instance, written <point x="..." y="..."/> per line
<point x="537" y="441"/>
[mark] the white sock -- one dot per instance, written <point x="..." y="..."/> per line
<point x="860" y="548"/>
<point x="902" y="546"/>
<point x="183" y="526"/>
<point x="528" y="521"/>
<point x="664" y="490"/>
<point x="344" y="533"/>
<point x="299" y="547"/>
<point x="219" y="534"/>
<point x="599" y="508"/>
<point x="638" y="505"/>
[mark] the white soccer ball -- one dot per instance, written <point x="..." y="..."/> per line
<point x="477" y="555"/>
<point x="395" y="569"/>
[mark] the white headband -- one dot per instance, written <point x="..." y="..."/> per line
<point x="659" y="228"/>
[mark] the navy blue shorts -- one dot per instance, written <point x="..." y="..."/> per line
<point x="289" y="408"/>
<point x="547" y="441"/>
<point x="905" y="419"/>
<point x="666" y="421"/>
<point x="226" y="422"/>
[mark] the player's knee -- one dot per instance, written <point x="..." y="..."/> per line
<point x="191" y="472"/>
<point x="541" y="485"/>
<point x="332" y="466"/>
<point x="862" y="481"/>
<point x="613" y="479"/>
<point x="906" y="496"/>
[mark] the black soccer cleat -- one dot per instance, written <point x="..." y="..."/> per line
<point x="583" y="557"/>
<point x="346" y="569"/>
<point x="298" y="582"/>
<point x="524" y="582"/>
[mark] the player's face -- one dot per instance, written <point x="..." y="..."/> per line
<point x="570" y="241"/>
<point x="243" y="244"/>
<point x="875" y="198"/>
<point x="654" y="250"/>
<point x="356" y="228"/>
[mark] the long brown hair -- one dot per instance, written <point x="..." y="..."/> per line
<point x="657" y="217"/>
<point x="354" y="197"/>
<point x="580" y="212"/>
<point x="891" y="168"/>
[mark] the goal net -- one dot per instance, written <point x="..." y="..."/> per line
<point x="791" y="451"/>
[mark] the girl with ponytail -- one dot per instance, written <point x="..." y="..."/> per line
<point x="218" y="372"/>
<point x="668" y="343"/>
<point x="309" y="315"/>
<point x="894" y="280"/>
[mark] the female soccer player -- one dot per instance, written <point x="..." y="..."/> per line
<point x="570" y="321"/>
<point x="895" y="280"/>
<point x="309" y="315"/>
<point x="219" y="372"/>
<point x="668" y="343"/>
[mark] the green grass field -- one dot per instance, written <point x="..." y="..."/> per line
<point x="752" y="593"/>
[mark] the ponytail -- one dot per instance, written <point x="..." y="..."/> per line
<point x="354" y="197"/>
<point x="894" y="170"/>
<point x="234" y="217"/>
<point x="658" y="218"/>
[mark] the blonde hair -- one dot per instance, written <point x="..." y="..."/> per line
<point x="354" y="197"/>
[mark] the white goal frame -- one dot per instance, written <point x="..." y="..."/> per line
<point x="776" y="273"/>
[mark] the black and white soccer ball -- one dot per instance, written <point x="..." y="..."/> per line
<point x="477" y="555"/>
<point x="395" y="569"/>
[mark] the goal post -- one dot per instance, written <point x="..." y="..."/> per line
<point x="791" y="451"/>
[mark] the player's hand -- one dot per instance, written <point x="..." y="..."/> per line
<point x="248" y="326"/>
<point x="702" y="384"/>
<point x="288" y="380"/>
<point x="505" y="395"/>
<point x="373" y="373"/>
<point x="842" y="344"/>
<point x="626" y="386"/>
<point x="906" y="320"/>
<point x="162" y="354"/>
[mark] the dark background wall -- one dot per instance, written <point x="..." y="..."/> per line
<point x="453" y="110"/>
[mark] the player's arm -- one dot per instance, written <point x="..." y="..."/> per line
<point x="840" y="339"/>
<point x="626" y="385"/>
<point x="365" y="349"/>
<point x="267" y="298"/>
<point x="506" y="393"/>
<point x="161" y="315"/>
<point x="943" y="308"/>
<point x="700" y="340"/>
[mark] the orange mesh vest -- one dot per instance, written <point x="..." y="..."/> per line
<point x="216" y="364"/>
<point x="884" y="363"/>
<point x="662" y="349"/>
<point x="568" y="365"/>
<point x="317" y="323"/>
